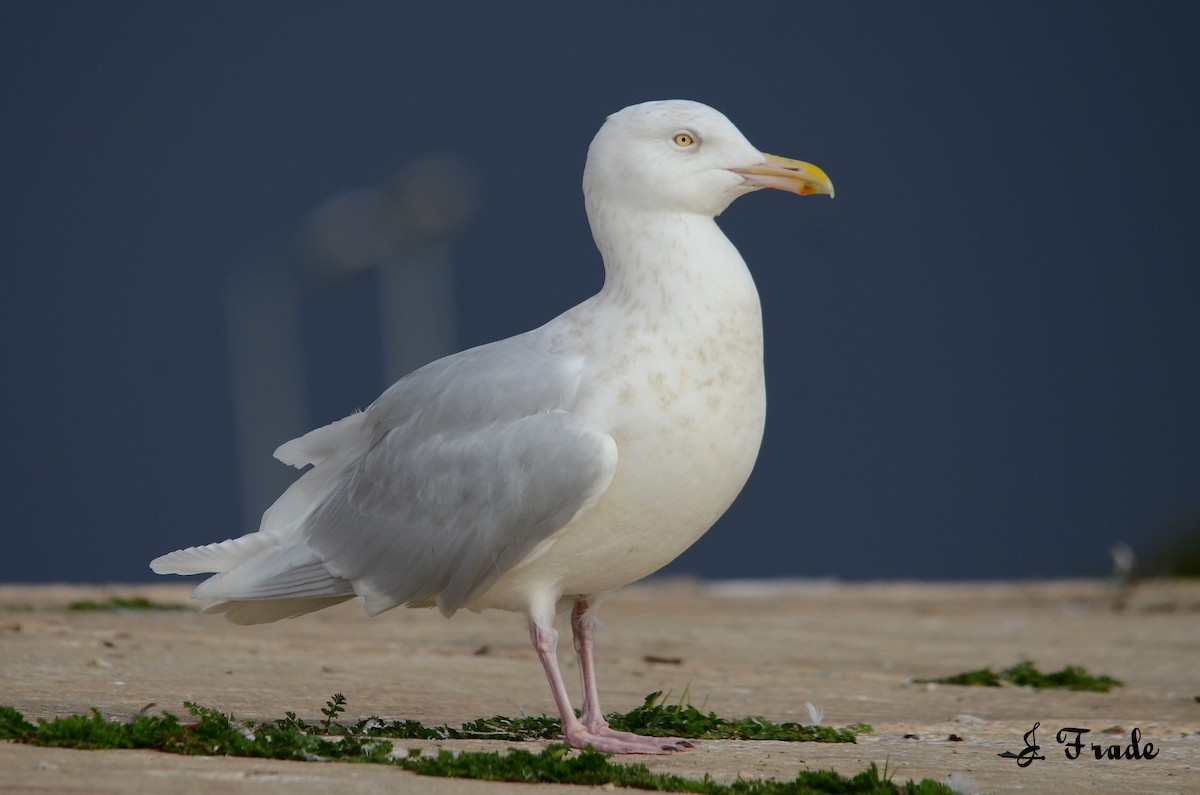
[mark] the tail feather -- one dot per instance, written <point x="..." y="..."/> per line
<point x="256" y="580"/>
<point x="268" y="610"/>
<point x="219" y="557"/>
<point x="294" y="572"/>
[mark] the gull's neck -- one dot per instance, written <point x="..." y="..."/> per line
<point x="669" y="262"/>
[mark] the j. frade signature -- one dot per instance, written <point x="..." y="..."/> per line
<point x="1071" y="739"/>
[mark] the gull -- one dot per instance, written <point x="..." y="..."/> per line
<point x="540" y="473"/>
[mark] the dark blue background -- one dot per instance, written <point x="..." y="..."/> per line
<point x="983" y="356"/>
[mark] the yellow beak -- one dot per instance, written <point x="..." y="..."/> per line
<point x="793" y="176"/>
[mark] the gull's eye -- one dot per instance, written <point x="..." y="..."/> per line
<point x="684" y="139"/>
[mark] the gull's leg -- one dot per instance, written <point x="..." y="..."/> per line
<point x="545" y="641"/>
<point x="583" y="628"/>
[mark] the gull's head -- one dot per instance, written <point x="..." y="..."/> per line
<point x="682" y="156"/>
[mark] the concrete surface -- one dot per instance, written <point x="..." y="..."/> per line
<point x="745" y="648"/>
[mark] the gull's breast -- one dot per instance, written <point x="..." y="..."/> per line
<point x="685" y="402"/>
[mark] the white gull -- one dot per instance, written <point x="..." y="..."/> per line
<point x="540" y="473"/>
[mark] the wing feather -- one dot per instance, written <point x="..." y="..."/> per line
<point x="442" y="519"/>
<point x="456" y="474"/>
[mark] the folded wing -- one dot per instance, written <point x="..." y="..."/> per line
<point x="453" y="477"/>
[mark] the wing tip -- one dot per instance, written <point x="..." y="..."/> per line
<point x="221" y="556"/>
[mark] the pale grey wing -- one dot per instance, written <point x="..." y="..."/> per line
<point x="452" y="477"/>
<point x="437" y="518"/>
<point x="513" y="378"/>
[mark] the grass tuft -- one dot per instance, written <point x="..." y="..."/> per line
<point x="652" y="718"/>
<point x="657" y="719"/>
<point x="114" y="603"/>
<point x="214" y="733"/>
<point x="13" y="725"/>
<point x="558" y="764"/>
<point x="1024" y="674"/>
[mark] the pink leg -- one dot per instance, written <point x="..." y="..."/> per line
<point x="583" y="628"/>
<point x="605" y="740"/>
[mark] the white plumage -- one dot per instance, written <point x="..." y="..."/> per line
<point x="541" y="472"/>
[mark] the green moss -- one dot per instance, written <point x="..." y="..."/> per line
<point x="984" y="677"/>
<point x="684" y="720"/>
<point x="652" y="718"/>
<point x="1024" y="674"/>
<point x="13" y="725"/>
<point x="559" y="765"/>
<point x="214" y="733"/>
<point x="1072" y="677"/>
<point x="122" y="603"/>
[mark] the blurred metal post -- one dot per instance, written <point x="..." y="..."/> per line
<point x="416" y="310"/>
<point x="405" y="231"/>
<point x="431" y="200"/>
<point x="267" y="377"/>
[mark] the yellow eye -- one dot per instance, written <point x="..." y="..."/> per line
<point x="683" y="139"/>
